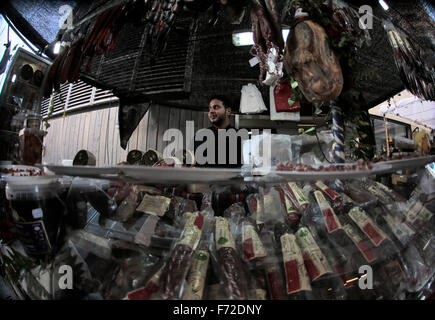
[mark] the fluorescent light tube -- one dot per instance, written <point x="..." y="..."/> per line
<point x="246" y="38"/>
<point x="384" y="5"/>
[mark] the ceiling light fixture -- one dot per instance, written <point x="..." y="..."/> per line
<point x="56" y="48"/>
<point x="246" y="38"/>
<point x="384" y="5"/>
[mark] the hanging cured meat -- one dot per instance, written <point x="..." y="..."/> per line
<point x="266" y="27"/>
<point x="416" y="75"/>
<point x="311" y="62"/>
<point x="158" y="16"/>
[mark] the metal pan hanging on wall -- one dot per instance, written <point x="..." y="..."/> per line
<point x="84" y="158"/>
<point x="38" y="77"/>
<point x="134" y="157"/>
<point x="26" y="72"/>
<point x="151" y="157"/>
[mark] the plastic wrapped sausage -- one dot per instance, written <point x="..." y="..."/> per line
<point x="230" y="263"/>
<point x="180" y="259"/>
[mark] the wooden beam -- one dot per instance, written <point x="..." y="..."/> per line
<point x="22" y="25"/>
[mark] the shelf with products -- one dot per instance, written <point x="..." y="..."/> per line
<point x="179" y="175"/>
<point x="140" y="233"/>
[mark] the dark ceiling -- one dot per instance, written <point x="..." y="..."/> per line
<point x="220" y="67"/>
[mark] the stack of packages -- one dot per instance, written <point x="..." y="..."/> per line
<point x="285" y="241"/>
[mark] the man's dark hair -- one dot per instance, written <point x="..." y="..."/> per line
<point x="225" y="100"/>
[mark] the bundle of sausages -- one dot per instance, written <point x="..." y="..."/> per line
<point x="266" y="26"/>
<point x="159" y="17"/>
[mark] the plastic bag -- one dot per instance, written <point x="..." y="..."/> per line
<point x="281" y="115"/>
<point x="251" y="100"/>
<point x="282" y="93"/>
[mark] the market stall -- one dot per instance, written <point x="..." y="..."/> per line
<point x="319" y="215"/>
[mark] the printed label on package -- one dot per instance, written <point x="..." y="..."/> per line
<point x="360" y="243"/>
<point x="327" y="190"/>
<point x="418" y="212"/>
<point x="260" y="294"/>
<point x="331" y="220"/>
<point x="34" y="237"/>
<point x="368" y="226"/>
<point x="289" y="205"/>
<point x="296" y="275"/>
<point x="259" y="212"/>
<point x="155" y="205"/>
<point x="197" y="276"/>
<point x="379" y="194"/>
<point x="297" y="195"/>
<point x="223" y="235"/>
<point x="347" y="199"/>
<point x="192" y="231"/>
<point x="252" y="246"/>
<point x="315" y="261"/>
<point x="384" y="188"/>
<point x="400" y="229"/>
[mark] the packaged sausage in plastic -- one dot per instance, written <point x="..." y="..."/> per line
<point x="297" y="280"/>
<point x="232" y="273"/>
<point x="274" y="274"/>
<point x="180" y="257"/>
<point x="273" y="208"/>
<point x="325" y="283"/>
<point x="292" y="214"/>
<point x="296" y="195"/>
<point x="197" y="277"/>
<point x="136" y="265"/>
<point x="255" y="211"/>
<point x="152" y="287"/>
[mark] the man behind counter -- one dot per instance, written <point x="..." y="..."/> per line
<point x="219" y="113"/>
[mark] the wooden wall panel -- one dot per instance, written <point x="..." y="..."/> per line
<point x="142" y="132"/>
<point x="86" y="130"/>
<point x="164" y="114"/>
<point x="75" y="123"/>
<point x="98" y="132"/>
<point x="174" y="122"/>
<point x="153" y="125"/>
<point x="110" y="134"/>
<point x="102" y="151"/>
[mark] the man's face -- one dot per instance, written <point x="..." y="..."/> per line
<point x="217" y="113"/>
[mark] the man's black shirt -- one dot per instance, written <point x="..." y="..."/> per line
<point x="227" y="163"/>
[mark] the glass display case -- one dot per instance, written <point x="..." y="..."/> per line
<point x="142" y="233"/>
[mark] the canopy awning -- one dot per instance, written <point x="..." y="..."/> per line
<point x="413" y="109"/>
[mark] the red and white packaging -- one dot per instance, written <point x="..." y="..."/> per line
<point x="314" y="259"/>
<point x="367" y="225"/>
<point x="296" y="274"/>
<point x="331" y="221"/>
<point x="334" y="196"/>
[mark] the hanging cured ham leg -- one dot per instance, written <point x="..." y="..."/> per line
<point x="310" y="61"/>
